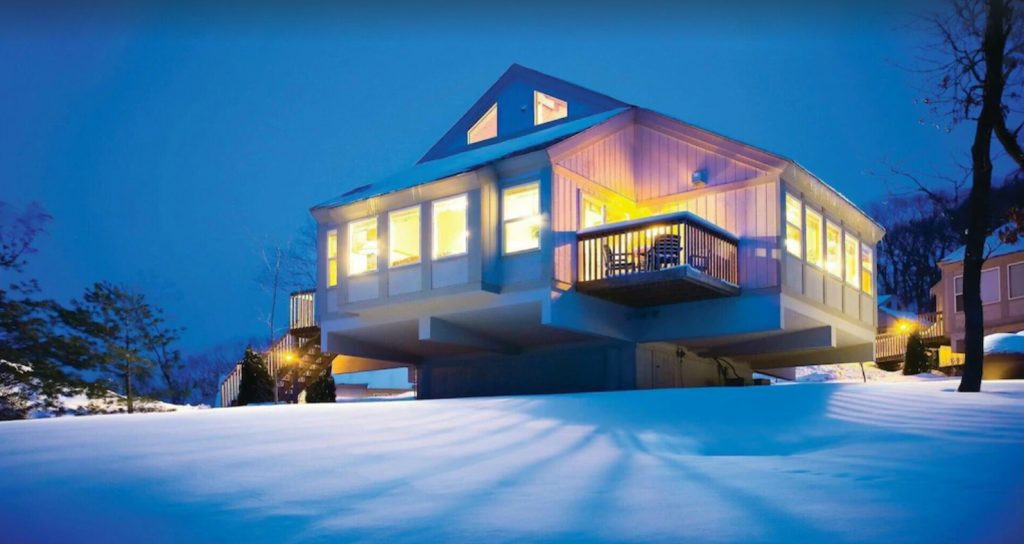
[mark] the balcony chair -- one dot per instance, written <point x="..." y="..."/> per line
<point x="617" y="263"/>
<point x="664" y="253"/>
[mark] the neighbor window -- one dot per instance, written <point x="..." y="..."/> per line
<point x="833" y="249"/>
<point x="1015" y="277"/>
<point x="867" y="269"/>
<point x="547" y="108"/>
<point x="794" y="225"/>
<point x="520" y="211"/>
<point x="486" y="128"/>
<point x="450" y="222"/>
<point x="404" y="236"/>
<point x="593" y="212"/>
<point x="332" y="257"/>
<point x="989" y="289"/>
<point x="852" y="261"/>
<point x="362" y="246"/>
<point x="812" y="230"/>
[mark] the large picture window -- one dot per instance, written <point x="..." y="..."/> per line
<point x="404" y="237"/>
<point x="794" y="226"/>
<point x="852" y="261"/>
<point x="449" y="227"/>
<point x="362" y="246"/>
<point x="867" y="269"/>
<point x="547" y="108"/>
<point x="332" y="257"/>
<point x="813" y="233"/>
<point x="520" y="211"/>
<point x="989" y="289"/>
<point x="486" y="128"/>
<point x="834" y="249"/>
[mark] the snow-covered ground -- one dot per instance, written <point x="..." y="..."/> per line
<point x="887" y="462"/>
<point x="855" y="373"/>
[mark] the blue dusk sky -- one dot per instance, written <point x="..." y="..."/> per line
<point x="169" y="146"/>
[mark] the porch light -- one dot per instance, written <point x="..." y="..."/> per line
<point x="699" y="178"/>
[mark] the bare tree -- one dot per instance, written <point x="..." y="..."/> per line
<point x="290" y="266"/>
<point x="981" y="55"/>
<point x="18" y="231"/>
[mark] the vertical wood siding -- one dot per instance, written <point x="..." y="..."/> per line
<point x="607" y="162"/>
<point x="665" y="165"/>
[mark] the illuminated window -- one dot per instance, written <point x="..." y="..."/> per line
<point x="450" y="232"/>
<point x="852" y="249"/>
<point x="404" y="237"/>
<point x="547" y="108"/>
<point x="520" y="210"/>
<point x="833" y="249"/>
<point x="362" y="246"/>
<point x="486" y="128"/>
<point x="332" y="258"/>
<point x="989" y="289"/>
<point x="814" y="242"/>
<point x="594" y="212"/>
<point x="794" y="225"/>
<point x="867" y="269"/>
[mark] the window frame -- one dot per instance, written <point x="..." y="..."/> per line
<point x="376" y="253"/>
<point x="800" y="226"/>
<point x="486" y="114"/>
<point x="999" y="289"/>
<point x="584" y="197"/>
<point x="505" y="221"/>
<point x="419" y="235"/>
<point x="821" y="238"/>
<point x="331" y="255"/>
<point x="433" y="227"/>
<point x="838" y="273"/>
<point x="856" y="260"/>
<point x="866" y="249"/>
<point x="536" y="110"/>
<point x="1009" y="285"/>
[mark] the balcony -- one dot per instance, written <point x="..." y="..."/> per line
<point x="657" y="260"/>
<point x="302" y="313"/>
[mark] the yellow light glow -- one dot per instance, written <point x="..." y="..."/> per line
<point x="362" y="246"/>
<point x="450" y="227"/>
<point x="521" y="213"/>
<point x="486" y="128"/>
<point x="794" y="226"/>
<point x="404" y="237"/>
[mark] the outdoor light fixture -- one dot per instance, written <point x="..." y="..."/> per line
<point x="699" y="178"/>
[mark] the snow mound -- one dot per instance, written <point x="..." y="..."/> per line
<point x="1005" y="343"/>
<point x="843" y="463"/>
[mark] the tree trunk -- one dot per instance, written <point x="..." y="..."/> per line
<point x="977" y="204"/>
<point x="128" y="387"/>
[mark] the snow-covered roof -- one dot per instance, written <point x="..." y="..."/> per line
<point x="1005" y="343"/>
<point x="468" y="160"/>
<point x="994" y="247"/>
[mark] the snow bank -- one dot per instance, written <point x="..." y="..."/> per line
<point x="892" y="462"/>
<point x="1005" y="344"/>
<point x="851" y="373"/>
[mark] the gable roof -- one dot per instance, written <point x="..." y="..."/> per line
<point x="538" y="80"/>
<point x="994" y="247"/>
<point x="458" y="163"/>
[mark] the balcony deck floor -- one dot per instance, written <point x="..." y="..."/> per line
<point x="654" y="288"/>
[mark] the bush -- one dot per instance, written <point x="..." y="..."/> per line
<point x="256" y="385"/>
<point x="322" y="389"/>
<point x="916" y="360"/>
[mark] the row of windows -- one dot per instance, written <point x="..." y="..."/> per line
<point x="546" y="108"/>
<point x="990" y="290"/>
<point x="828" y="247"/>
<point x="449" y="232"/>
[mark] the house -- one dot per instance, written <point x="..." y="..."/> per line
<point x="1002" y="290"/>
<point x="556" y="239"/>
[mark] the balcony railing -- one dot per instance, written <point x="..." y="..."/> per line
<point x="302" y="310"/>
<point x="890" y="346"/>
<point x="658" y="260"/>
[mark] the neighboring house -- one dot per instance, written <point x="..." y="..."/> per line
<point x="556" y="239"/>
<point x="1002" y="290"/>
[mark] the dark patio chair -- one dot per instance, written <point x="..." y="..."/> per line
<point x="664" y="253"/>
<point x="617" y="263"/>
<point x="700" y="262"/>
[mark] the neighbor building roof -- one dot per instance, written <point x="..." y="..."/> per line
<point x="994" y="247"/>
